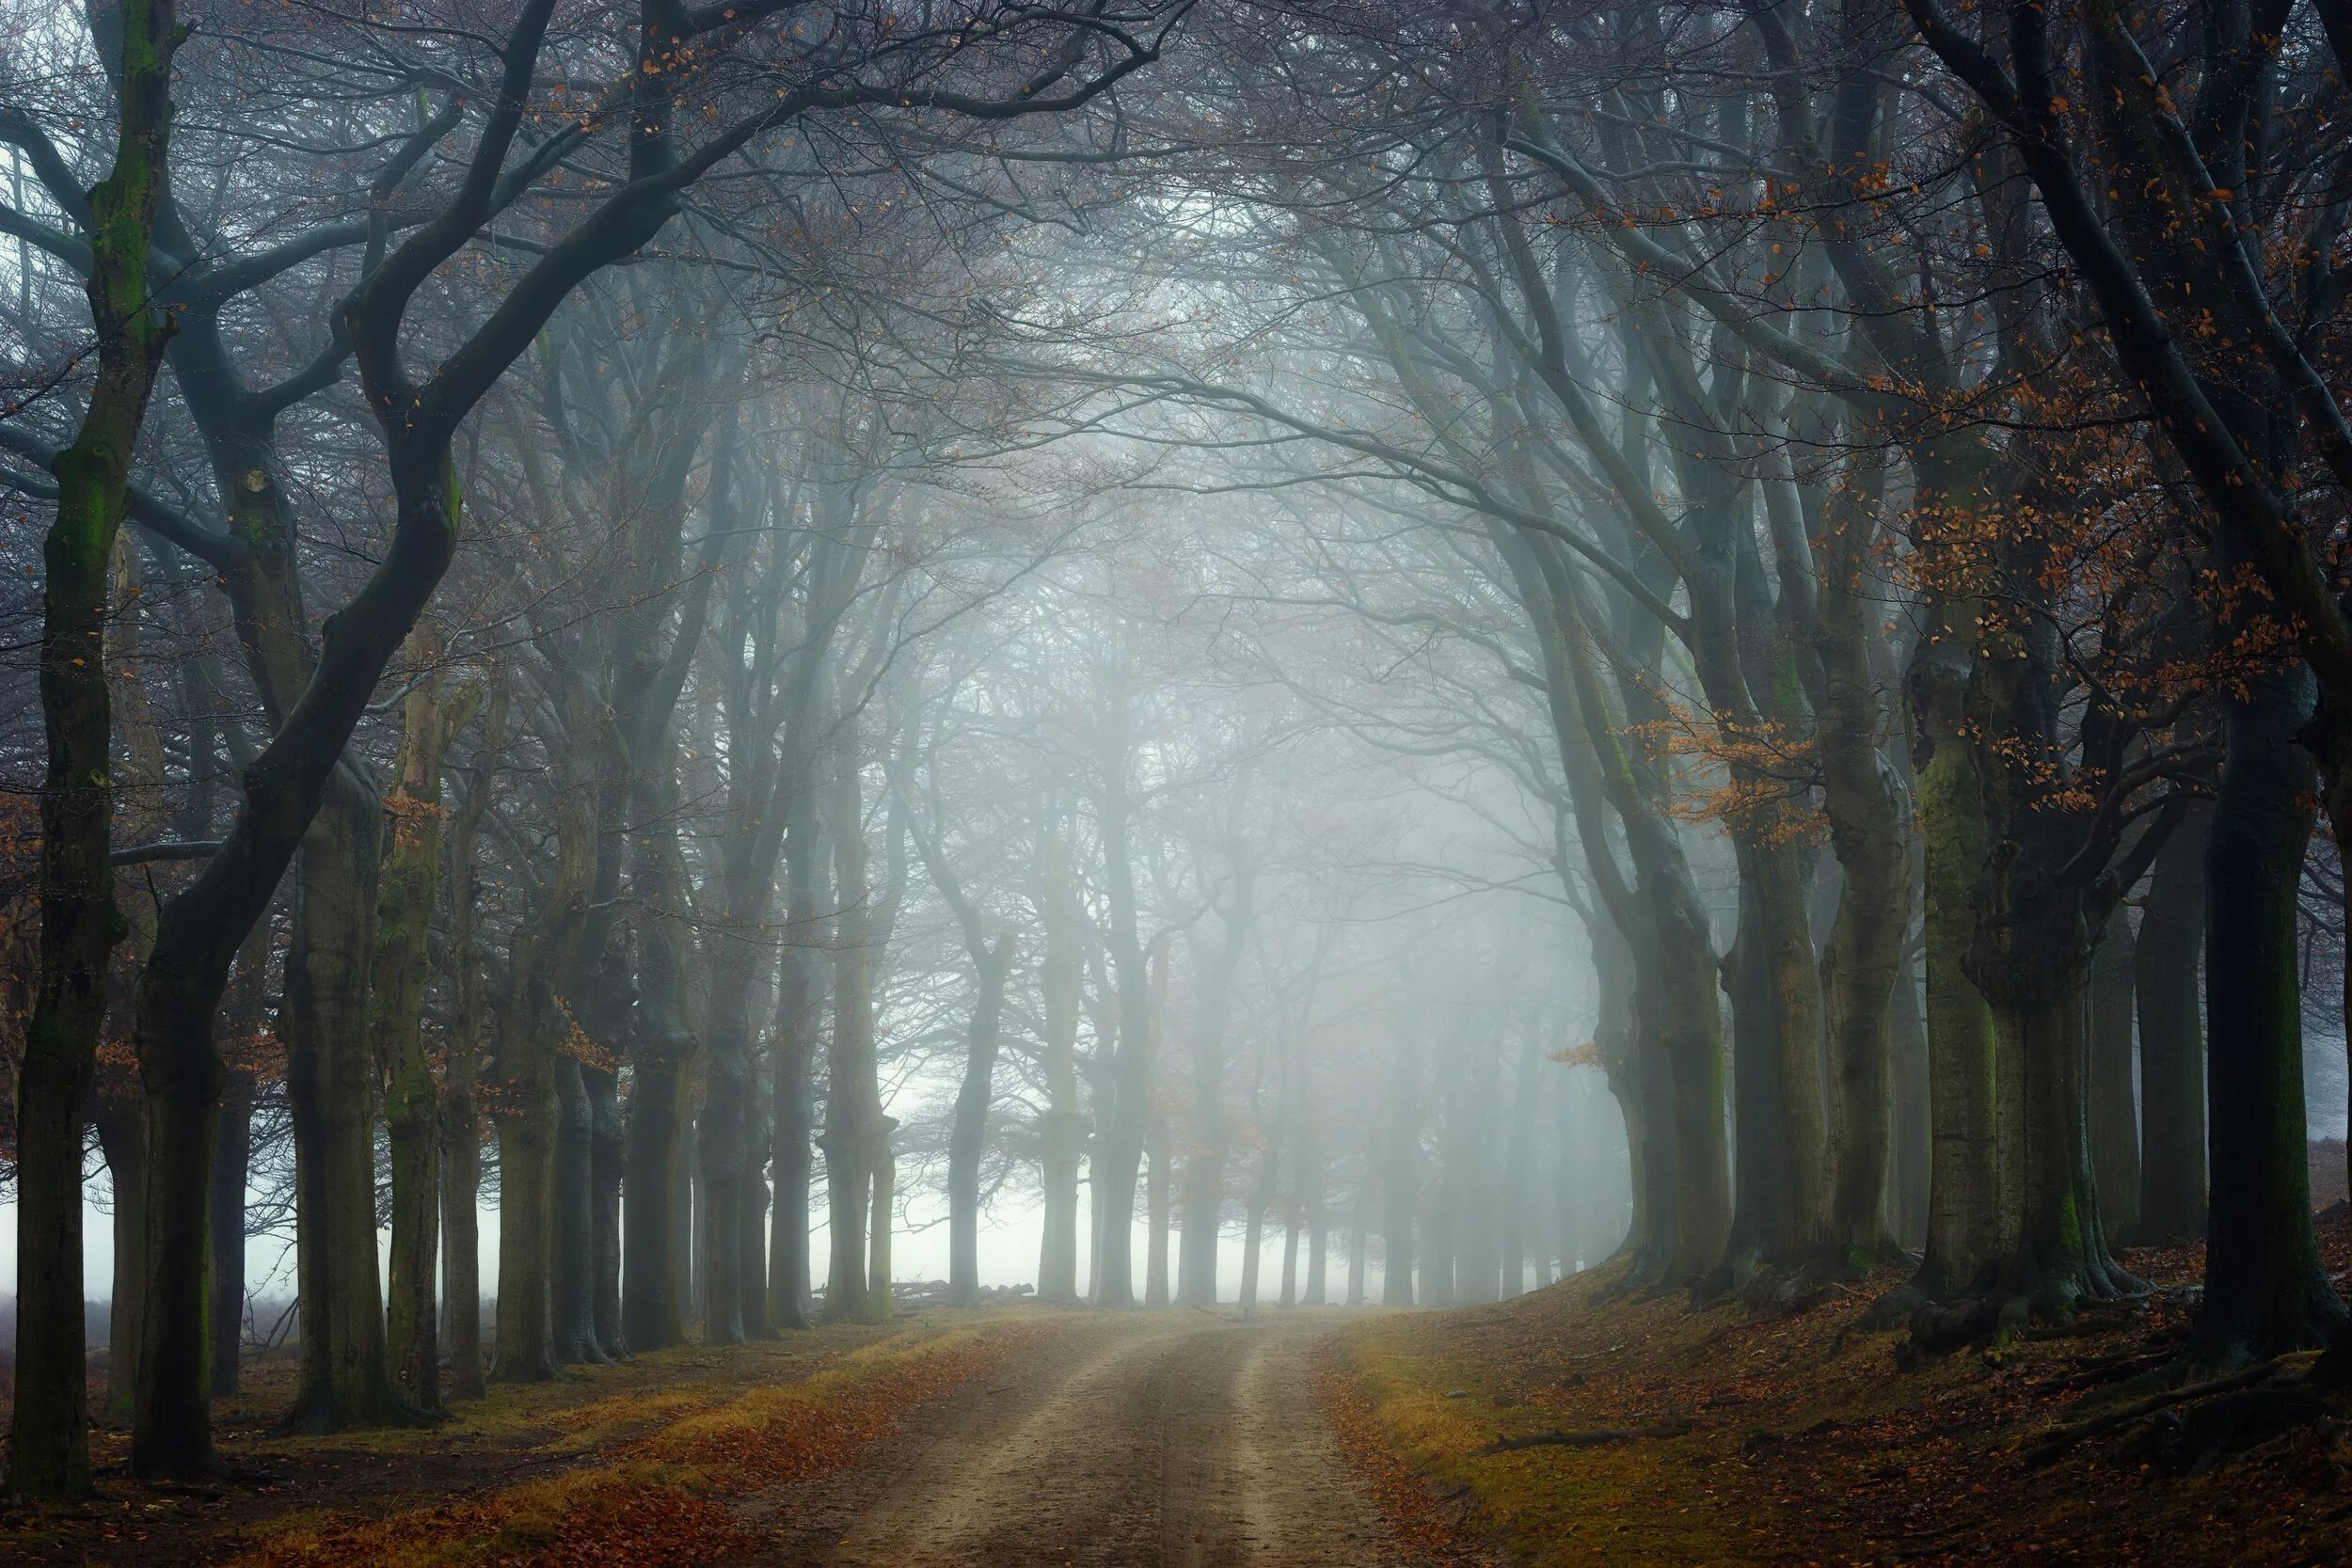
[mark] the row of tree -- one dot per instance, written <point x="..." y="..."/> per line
<point x="1036" y="526"/>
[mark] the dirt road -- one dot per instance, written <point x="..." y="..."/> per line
<point x="1176" y="1439"/>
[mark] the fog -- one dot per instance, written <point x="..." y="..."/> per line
<point x="701" y="673"/>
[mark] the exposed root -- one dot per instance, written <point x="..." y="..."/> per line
<point x="1592" y="1438"/>
<point x="2192" y="1428"/>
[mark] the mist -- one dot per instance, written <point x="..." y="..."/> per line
<point x="1263" y="777"/>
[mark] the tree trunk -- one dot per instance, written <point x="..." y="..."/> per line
<point x="1119" y="1143"/>
<point x="1913" y="1129"/>
<point x="1399" y="1180"/>
<point x="49" y="1431"/>
<point x="1870" y="832"/>
<point x="2265" y="1290"/>
<point x="2114" y="1108"/>
<point x="2167" y="964"/>
<point x="879" y="1275"/>
<point x="2061" y="1251"/>
<point x="1439" y="1237"/>
<point x="1775" y="1050"/>
<point x="1478" y="1252"/>
<point x="1677" y="1010"/>
<point x="525" y="1302"/>
<point x="1359" y="1230"/>
<point x="172" y="1434"/>
<point x="1253" y="1237"/>
<point x="1518" y="1166"/>
<point x="967" y="1138"/>
<point x="751" y="1218"/>
<point x="534" y="1028"/>
<point x="1963" y="1192"/>
<point x="1290" y="1249"/>
<point x="232" y="1156"/>
<point x="1061" y="1127"/>
<point x="855" y="1141"/>
<point x="574" y="1240"/>
<point x="751" y="1213"/>
<point x="1156" y="1209"/>
<point x="461" y="1252"/>
<point x="724" y="1152"/>
<point x="469" y="1024"/>
<point x="1309" y="1176"/>
<point x="682" y="1269"/>
<point x="331" y="1083"/>
<point x="608" y="1155"/>
<point x="123" y="1140"/>
<point x="797" y="1005"/>
<point x="408" y="881"/>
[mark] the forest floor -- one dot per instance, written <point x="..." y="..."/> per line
<point x="1314" y="1438"/>
<point x="1022" y="1436"/>
<point x="1729" y="1436"/>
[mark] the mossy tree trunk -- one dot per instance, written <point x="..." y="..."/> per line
<point x="331" y="1086"/>
<point x="49" y="1431"/>
<point x="1963" y="1186"/>
<point x="412" y="1092"/>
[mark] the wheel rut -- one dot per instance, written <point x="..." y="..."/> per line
<point x="1180" y="1439"/>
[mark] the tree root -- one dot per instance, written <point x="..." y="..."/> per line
<point x="2057" y="1440"/>
<point x="1595" y="1437"/>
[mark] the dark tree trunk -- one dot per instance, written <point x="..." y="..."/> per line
<point x="575" y="1228"/>
<point x="232" y="1155"/>
<point x="730" y="1122"/>
<point x="1913" y="1122"/>
<point x="331" y="1089"/>
<point x="172" y="1435"/>
<point x="49" y="1430"/>
<point x="123" y="1141"/>
<point x="607" y="1156"/>
<point x="2114" y="1109"/>
<point x="2266" y="1291"/>
<point x="526" y="1298"/>
<point x="790" y="1283"/>
<point x="461" y="1226"/>
<point x="2167" y="965"/>
<point x="685" y="1212"/>
<point x="1964" y="1199"/>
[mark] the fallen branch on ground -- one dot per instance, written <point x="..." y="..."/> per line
<point x="1591" y="1439"/>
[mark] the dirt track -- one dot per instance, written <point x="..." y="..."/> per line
<point x="1175" y="1438"/>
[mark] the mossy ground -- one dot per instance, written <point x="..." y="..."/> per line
<point x="635" y="1462"/>
<point x="1806" y="1443"/>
